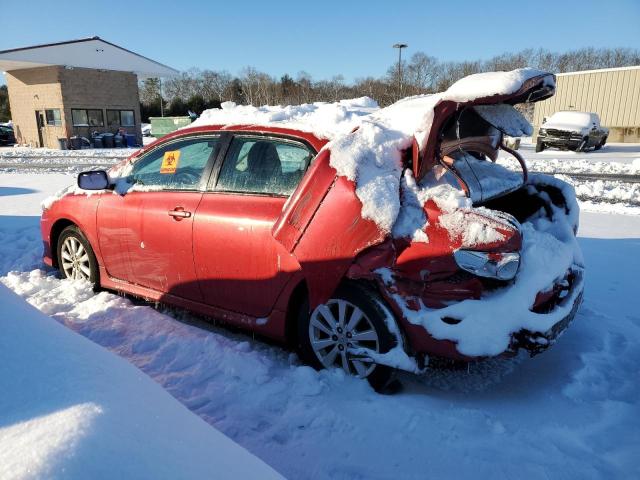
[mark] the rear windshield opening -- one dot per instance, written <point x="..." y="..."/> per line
<point x="469" y="151"/>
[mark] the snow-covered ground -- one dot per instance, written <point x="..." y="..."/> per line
<point x="18" y="154"/>
<point x="569" y="413"/>
<point x="70" y="409"/>
<point x="612" y="195"/>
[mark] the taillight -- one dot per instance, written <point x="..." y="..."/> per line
<point x="502" y="266"/>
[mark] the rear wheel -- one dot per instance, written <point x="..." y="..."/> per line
<point x="539" y="145"/>
<point x="333" y="333"/>
<point x="76" y="259"/>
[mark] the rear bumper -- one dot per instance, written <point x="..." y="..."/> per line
<point x="561" y="302"/>
<point x="538" y="342"/>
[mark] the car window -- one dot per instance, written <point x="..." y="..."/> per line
<point x="176" y="166"/>
<point x="262" y="165"/>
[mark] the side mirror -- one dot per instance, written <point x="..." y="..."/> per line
<point x="93" y="180"/>
<point x="544" y="120"/>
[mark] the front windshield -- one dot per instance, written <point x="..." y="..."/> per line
<point x="579" y="119"/>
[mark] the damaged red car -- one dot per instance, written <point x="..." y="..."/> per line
<point x="370" y="252"/>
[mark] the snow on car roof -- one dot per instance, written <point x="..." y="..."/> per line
<point x="579" y="119"/>
<point x="325" y="120"/>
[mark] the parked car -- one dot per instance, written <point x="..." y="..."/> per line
<point x="6" y="135"/>
<point x="571" y="130"/>
<point x="252" y="225"/>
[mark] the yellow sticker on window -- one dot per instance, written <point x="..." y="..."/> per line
<point x="170" y="161"/>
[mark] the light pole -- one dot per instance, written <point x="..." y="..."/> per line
<point x="160" y="92"/>
<point x="400" y="46"/>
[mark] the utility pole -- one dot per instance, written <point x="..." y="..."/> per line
<point x="400" y="46"/>
<point x="160" y="92"/>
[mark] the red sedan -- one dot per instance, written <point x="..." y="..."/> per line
<point x="254" y="226"/>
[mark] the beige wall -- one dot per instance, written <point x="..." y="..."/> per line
<point x="32" y="90"/>
<point x="613" y="94"/>
<point x="53" y="87"/>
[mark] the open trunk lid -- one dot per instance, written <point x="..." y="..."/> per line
<point x="532" y="89"/>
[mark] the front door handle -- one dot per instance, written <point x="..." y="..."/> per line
<point x="179" y="213"/>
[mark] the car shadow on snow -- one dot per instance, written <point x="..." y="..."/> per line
<point x="9" y="191"/>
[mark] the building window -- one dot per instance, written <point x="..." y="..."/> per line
<point x="127" y="119"/>
<point x="53" y="117"/>
<point x="120" y="118"/>
<point x="79" y="118"/>
<point x="87" y="118"/>
<point x="113" y="118"/>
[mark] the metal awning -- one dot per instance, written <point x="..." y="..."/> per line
<point x="91" y="52"/>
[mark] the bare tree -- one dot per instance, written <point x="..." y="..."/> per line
<point x="421" y="74"/>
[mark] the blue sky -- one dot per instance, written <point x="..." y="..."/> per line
<point x="325" y="38"/>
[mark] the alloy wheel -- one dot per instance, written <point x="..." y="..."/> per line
<point x="75" y="259"/>
<point x="336" y="329"/>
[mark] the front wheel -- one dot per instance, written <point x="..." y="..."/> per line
<point x="336" y="333"/>
<point x="539" y="145"/>
<point x="584" y="145"/>
<point x="76" y="259"/>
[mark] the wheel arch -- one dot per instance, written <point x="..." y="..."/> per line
<point x="56" y="230"/>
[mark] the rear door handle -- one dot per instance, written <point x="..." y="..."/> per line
<point x="179" y="213"/>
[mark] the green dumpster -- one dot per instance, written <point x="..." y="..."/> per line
<point x="160" y="126"/>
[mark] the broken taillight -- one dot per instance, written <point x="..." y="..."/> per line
<point x="501" y="266"/>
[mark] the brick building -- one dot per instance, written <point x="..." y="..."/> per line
<point x="75" y="88"/>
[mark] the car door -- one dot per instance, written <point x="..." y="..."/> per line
<point x="239" y="264"/>
<point x="147" y="232"/>
<point x="595" y="134"/>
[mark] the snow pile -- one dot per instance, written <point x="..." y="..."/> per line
<point x="371" y="156"/>
<point x="569" y="165"/>
<point x="29" y="154"/>
<point x="609" y="191"/>
<point x="71" y="409"/>
<point x="35" y="160"/>
<point x="492" y="83"/>
<point x="599" y="194"/>
<point x="325" y="120"/>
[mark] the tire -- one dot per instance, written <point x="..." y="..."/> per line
<point x="539" y="145"/>
<point x="601" y="144"/>
<point x="76" y="259"/>
<point x="584" y="145"/>
<point x="354" y="298"/>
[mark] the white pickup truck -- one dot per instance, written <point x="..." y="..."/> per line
<point x="572" y="130"/>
